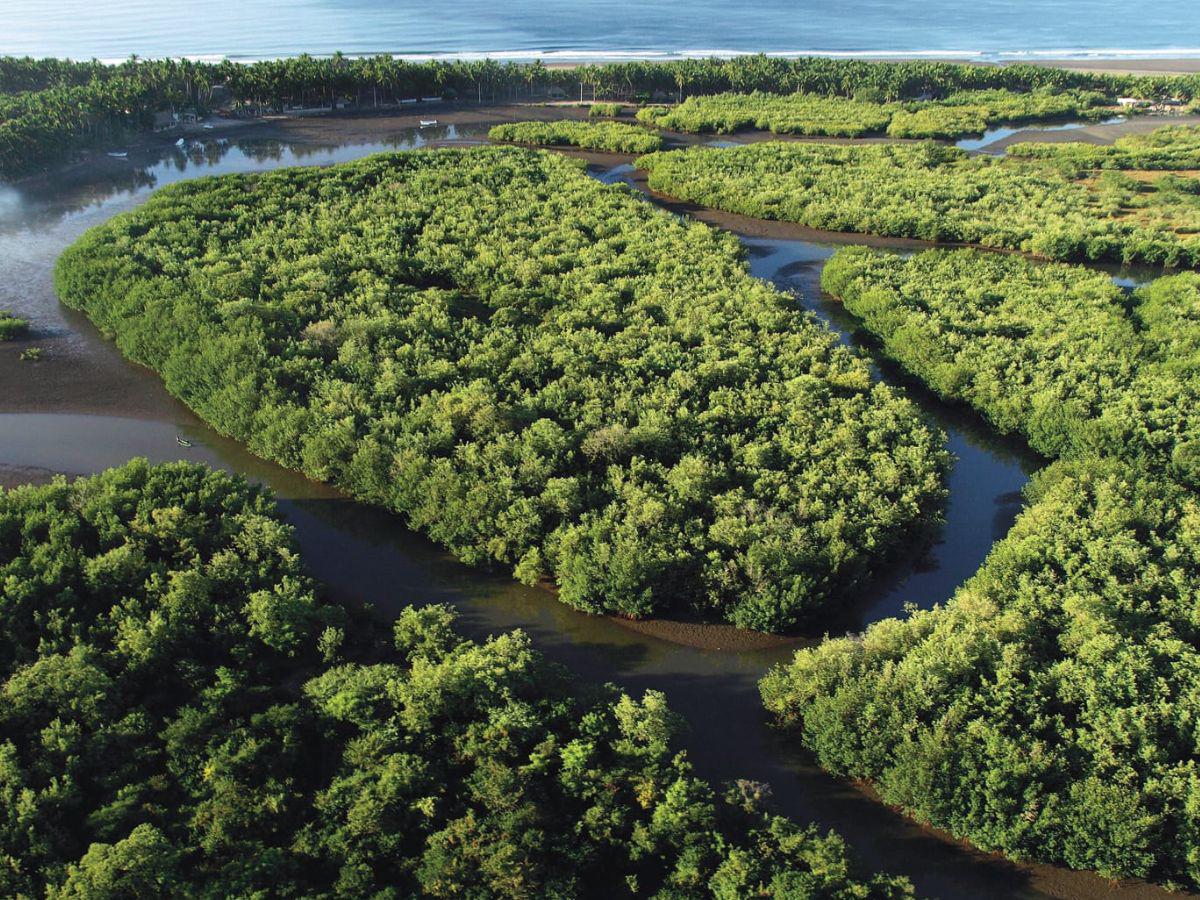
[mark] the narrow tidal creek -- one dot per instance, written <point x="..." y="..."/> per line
<point x="84" y="409"/>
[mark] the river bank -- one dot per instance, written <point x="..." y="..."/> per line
<point x="367" y="555"/>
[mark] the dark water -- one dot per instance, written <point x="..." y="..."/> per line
<point x="594" y="29"/>
<point x="366" y="555"/>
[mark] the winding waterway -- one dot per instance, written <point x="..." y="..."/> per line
<point x="84" y="409"/>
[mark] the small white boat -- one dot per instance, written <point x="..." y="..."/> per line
<point x="120" y="155"/>
<point x="209" y="127"/>
<point x="428" y="123"/>
<point x="181" y="143"/>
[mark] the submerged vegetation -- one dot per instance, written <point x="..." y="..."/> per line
<point x="612" y="137"/>
<point x="185" y="715"/>
<point x="960" y="113"/>
<point x="537" y="370"/>
<point x="938" y="193"/>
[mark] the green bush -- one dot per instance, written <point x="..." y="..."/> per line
<point x="11" y="326"/>
<point x="973" y="112"/>
<point x="809" y="114"/>
<point x="1046" y="711"/>
<point x="937" y="193"/>
<point x="537" y="370"/>
<point x="1170" y="147"/>
<point x="1056" y="353"/>
<point x="170" y="729"/>
<point x="605" y="110"/>
<point x="614" y="137"/>
<point x="649" y="115"/>
<point x="959" y="114"/>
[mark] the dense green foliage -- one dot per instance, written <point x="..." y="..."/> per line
<point x="1170" y="147"/>
<point x="973" y="112"/>
<point x="613" y="137"/>
<point x="538" y="370"/>
<point x="810" y="114"/>
<point x="185" y="716"/>
<point x="960" y="113"/>
<point x="12" y="326"/>
<point x="1049" y="709"/>
<point x="1057" y="353"/>
<point x="939" y="193"/>
<point x="41" y="128"/>
<point x="300" y="79"/>
<point x="74" y="104"/>
<point x="605" y="110"/>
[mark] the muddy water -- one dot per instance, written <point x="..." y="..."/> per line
<point x="84" y="409"/>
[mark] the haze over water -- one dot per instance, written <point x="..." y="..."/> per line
<point x="597" y="29"/>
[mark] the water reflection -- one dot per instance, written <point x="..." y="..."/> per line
<point x="999" y="133"/>
<point x="43" y="201"/>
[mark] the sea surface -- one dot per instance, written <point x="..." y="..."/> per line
<point x="581" y="30"/>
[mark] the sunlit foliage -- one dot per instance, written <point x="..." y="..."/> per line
<point x="960" y="113"/>
<point x="539" y="371"/>
<point x="184" y="715"/>
<point x="614" y="137"/>
<point x="1169" y="147"/>
<point x="1048" y="709"/>
<point x="939" y="193"/>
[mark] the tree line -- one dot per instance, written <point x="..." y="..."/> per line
<point x="65" y="105"/>
<point x="539" y="371"/>
<point x="186" y="714"/>
<point x="955" y="115"/>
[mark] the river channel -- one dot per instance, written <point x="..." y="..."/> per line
<point x="82" y="409"/>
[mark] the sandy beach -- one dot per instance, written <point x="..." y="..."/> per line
<point x="1123" y="66"/>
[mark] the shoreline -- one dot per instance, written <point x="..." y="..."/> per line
<point x="1101" y="59"/>
<point x="1111" y="65"/>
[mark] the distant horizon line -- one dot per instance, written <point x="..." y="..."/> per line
<point x="617" y="56"/>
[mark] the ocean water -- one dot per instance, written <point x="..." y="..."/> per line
<point x="578" y="30"/>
